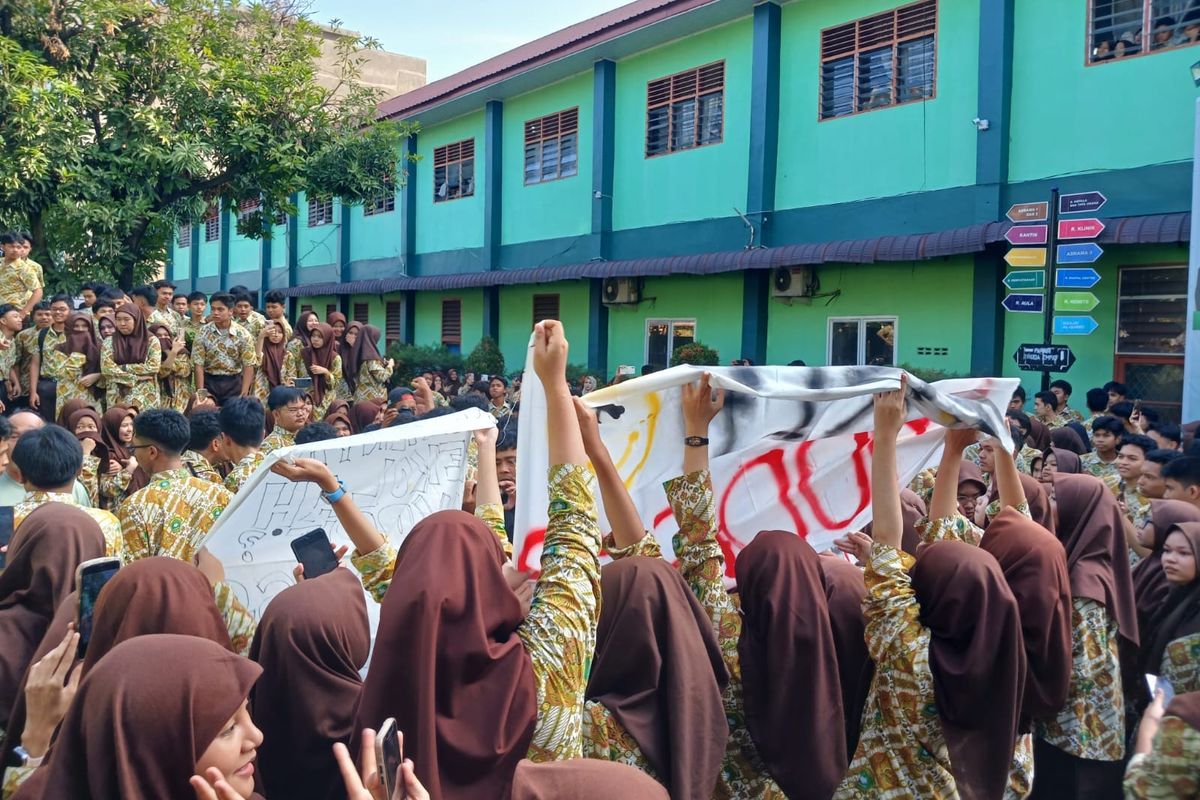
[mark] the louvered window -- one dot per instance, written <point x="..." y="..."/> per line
<point x="330" y="308"/>
<point x="685" y="110"/>
<point x="1152" y="311"/>
<point x="320" y="211"/>
<point x="185" y="236"/>
<point x="247" y="207"/>
<point x="385" y="202"/>
<point x="305" y="308"/>
<point x="545" y="306"/>
<point x="454" y="171"/>
<point x="212" y="223"/>
<point x="452" y="324"/>
<point x="552" y="147"/>
<point x="885" y="60"/>
<point x="392" y="322"/>
<point x="362" y="313"/>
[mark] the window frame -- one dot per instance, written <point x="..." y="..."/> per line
<point x="670" y="322"/>
<point x="1122" y="271"/>
<point x="545" y="296"/>
<point x="448" y="342"/>
<point x="857" y="51"/>
<point x="385" y="203"/>
<point x="861" y="351"/>
<point x="393" y="322"/>
<point x="567" y="118"/>
<point x="180" y="241"/>
<point x="247" y="207"/>
<point x="325" y="206"/>
<point x="444" y="152"/>
<point x="1089" y="36"/>
<point x="212" y="219"/>
<point x="669" y="104"/>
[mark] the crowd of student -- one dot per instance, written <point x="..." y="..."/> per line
<point x="989" y="636"/>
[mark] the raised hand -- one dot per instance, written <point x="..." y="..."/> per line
<point x="48" y="693"/>
<point x="213" y="786"/>
<point x="890" y="410"/>
<point x="700" y="406"/>
<point x="311" y="470"/>
<point x="959" y="439"/>
<point x="550" y="349"/>
<point x="589" y="425"/>
<point x="857" y="544"/>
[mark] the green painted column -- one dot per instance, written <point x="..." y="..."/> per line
<point x="194" y="257"/>
<point x="227" y="219"/>
<point x="597" y="328"/>
<point x="408" y="205"/>
<point x="343" y="252"/>
<point x="604" y="91"/>
<point x="493" y="170"/>
<point x="293" y="245"/>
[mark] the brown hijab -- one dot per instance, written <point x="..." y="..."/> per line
<point x="363" y="414"/>
<point x="448" y="663"/>
<point x="86" y="342"/>
<point x="45" y="550"/>
<point x="272" y="357"/>
<point x="977" y="660"/>
<point x="1179" y="614"/>
<point x="1150" y="585"/>
<point x="845" y="591"/>
<point x="334" y="318"/>
<point x="131" y="349"/>
<point x="1067" y="439"/>
<point x="69" y="408"/>
<point x="322" y="356"/>
<point x="1089" y="525"/>
<point x="1066" y="462"/>
<point x="659" y="672"/>
<point x="1034" y="565"/>
<point x="110" y="431"/>
<point x="143" y="716"/>
<point x="583" y="779"/>
<point x="364" y="349"/>
<point x="301" y="330"/>
<point x="1039" y="435"/>
<point x="789" y="660"/>
<point x="1039" y="504"/>
<point x="349" y="353"/>
<point x="312" y="642"/>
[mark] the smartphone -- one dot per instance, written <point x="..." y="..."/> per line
<point x="303" y="383"/>
<point x="1157" y="682"/>
<point x="315" y="553"/>
<point x="624" y="370"/>
<point x="6" y="531"/>
<point x="1137" y="405"/>
<point x="90" y="577"/>
<point x="388" y="757"/>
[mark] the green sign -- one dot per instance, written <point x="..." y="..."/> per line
<point x="1026" y="279"/>
<point x="1075" y="301"/>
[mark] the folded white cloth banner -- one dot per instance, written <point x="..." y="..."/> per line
<point x="790" y="451"/>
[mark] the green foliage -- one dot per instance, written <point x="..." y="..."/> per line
<point x="411" y="360"/>
<point x="577" y="372"/>
<point x="930" y="375"/>
<point x="695" y="354"/>
<point x="123" y="119"/>
<point x="486" y="358"/>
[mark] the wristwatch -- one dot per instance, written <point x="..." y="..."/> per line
<point x="696" y="441"/>
<point x="26" y="759"/>
<point x="335" y="495"/>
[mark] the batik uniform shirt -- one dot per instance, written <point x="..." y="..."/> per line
<point x="191" y="329"/>
<point x="46" y="348"/>
<point x="294" y="367"/>
<point x="9" y="351"/>
<point x="239" y="621"/>
<point x="253" y="323"/>
<point x="89" y="476"/>
<point x="171" y="516"/>
<point x="1171" y="770"/>
<point x="559" y="632"/>
<point x="171" y="318"/>
<point x="372" y="384"/>
<point x="1091" y="464"/>
<point x="27" y="345"/>
<point x="276" y="439"/>
<point x="1069" y="414"/>
<point x="1092" y="723"/>
<point x="902" y="750"/>
<point x="67" y="371"/>
<point x="112" y="488"/>
<point x="223" y="352"/>
<point x="1055" y="422"/>
<point x="200" y="467"/>
<point x="242" y="470"/>
<point x="132" y="385"/>
<point x="110" y="526"/>
<point x="19" y="280"/>
<point x="1181" y="664"/>
<point x="499" y="412"/>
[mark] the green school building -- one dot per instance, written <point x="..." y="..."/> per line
<point x="825" y="180"/>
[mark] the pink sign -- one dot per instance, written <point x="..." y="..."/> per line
<point x="1027" y="234"/>
<point x="1088" y="228"/>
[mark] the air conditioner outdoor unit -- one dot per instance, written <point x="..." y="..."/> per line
<point x="620" y="291"/>
<point x="794" y="282"/>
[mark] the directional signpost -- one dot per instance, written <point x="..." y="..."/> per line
<point x="1075" y="301"/>
<point x="1081" y="203"/>
<point x="1027" y="234"/>
<point x="1026" y="279"/>
<point x="1087" y="228"/>
<point x="1029" y="212"/>
<point x="1085" y="253"/>
<point x="1044" y="357"/>
<point x="1026" y="257"/>
<point x="1079" y="278"/>
<point x="1074" y="326"/>
<point x="1023" y="303"/>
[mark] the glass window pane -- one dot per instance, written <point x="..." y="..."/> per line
<point x="843" y="343"/>
<point x="915" y="69"/>
<point x="468" y="178"/>
<point x="656" y="344"/>
<point x="453" y="180"/>
<point x="875" y="79"/>
<point x="533" y="167"/>
<point x="1156" y="282"/>
<point x="1159" y="386"/>
<point x="682" y="333"/>
<point x="683" y="124"/>
<point x="441" y="189"/>
<point x="656" y="131"/>
<point x="1117" y="28"/>
<point x="711" y="117"/>
<point x="569" y="156"/>
<point x="837" y="87"/>
<point x="550" y="159"/>
<point x="881" y="343"/>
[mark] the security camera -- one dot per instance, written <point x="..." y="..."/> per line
<point x="981" y="124"/>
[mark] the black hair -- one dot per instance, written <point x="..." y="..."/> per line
<point x="1186" y="470"/>
<point x="507" y="441"/>
<point x="194" y="296"/>
<point x="440" y="411"/>
<point x="316" y="432"/>
<point x="1048" y="398"/>
<point x="1163" y="456"/>
<point x="1144" y="442"/>
<point x="465" y="401"/>
<point x="94" y="286"/>
<point x="224" y="298"/>
<point x="275" y="296"/>
<point x="205" y="426"/>
<point x="243" y="420"/>
<point x="1167" y="21"/>
<point x="1021" y="418"/>
<point x="395" y="394"/>
<point x="280" y="396"/>
<point x="7" y="307"/>
<point x="8" y="238"/>
<point x="242" y="297"/>
<point x="147" y="293"/>
<point x="61" y="298"/>
<point x="403" y="417"/>
<point x="1097" y="400"/>
<point x="112" y="294"/>
<point x="1151" y="415"/>
<point x="649" y="369"/>
<point x="163" y="284"/>
<point x="1061" y="384"/>
<point x="5" y="428"/>
<point x="500" y="378"/>
<point x="168" y="429"/>
<point x="1123" y="409"/>
<point x="48" y="457"/>
<point x="1110" y="424"/>
<point x="102" y="302"/>
<point x="41" y="305"/>
<point x="1019" y="392"/>
<point x="798" y="362"/>
<point x="1116" y="388"/>
<point x="1168" y="430"/>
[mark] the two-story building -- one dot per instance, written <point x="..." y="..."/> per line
<point x="824" y="180"/>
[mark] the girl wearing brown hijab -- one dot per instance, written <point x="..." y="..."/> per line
<point x="323" y="364"/>
<point x="656" y="679"/>
<point x="175" y="375"/>
<point x="1166" y="763"/>
<point x="124" y="476"/>
<point x="845" y="591"/>
<point x="69" y="408"/>
<point x="1079" y="750"/>
<point x="1067" y="439"/>
<point x="272" y="352"/>
<point x="338" y="415"/>
<point x="130" y="361"/>
<point x="86" y="425"/>
<point x="363" y="415"/>
<point x="1150" y="585"/>
<point x="154" y="712"/>
<point x="76" y="363"/>
<point x="366" y="372"/>
<point x="312" y="642"/>
<point x="347" y="345"/>
<point x="337" y="324"/>
<point x="1065" y="461"/>
<point x="42" y="556"/>
<point x="1174" y="635"/>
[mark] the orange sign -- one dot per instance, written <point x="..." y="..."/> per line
<point x="1029" y="212"/>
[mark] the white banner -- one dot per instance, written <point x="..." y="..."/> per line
<point x="397" y="476"/>
<point x="790" y="451"/>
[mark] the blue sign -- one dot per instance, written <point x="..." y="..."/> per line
<point x="1084" y="253"/>
<point x="1023" y="303"/>
<point x="1074" y="326"/>
<point x="1079" y="278"/>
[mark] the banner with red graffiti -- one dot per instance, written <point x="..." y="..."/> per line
<point x="790" y="451"/>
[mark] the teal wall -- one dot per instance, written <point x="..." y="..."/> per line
<point x="375" y="236"/>
<point x="1068" y="118"/>
<point x="210" y="254"/>
<point x="888" y="151"/>
<point x="451" y="224"/>
<point x="427" y="329"/>
<point x="181" y="260"/>
<point x="701" y="183"/>
<point x="315" y="246"/>
<point x="245" y="254"/>
<point x="279" y="246"/>
<point x="516" y="319"/>
<point x="800" y="330"/>
<point x="556" y="208"/>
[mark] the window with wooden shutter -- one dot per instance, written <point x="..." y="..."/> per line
<point x="385" y="202"/>
<point x="392" y="322"/>
<point x="454" y="171"/>
<point x="247" y="208"/>
<point x="320" y="211"/>
<point x="452" y="324"/>
<point x="362" y="313"/>
<point x="185" y="236"/>
<point x="1152" y="310"/>
<point x="552" y="147"/>
<point x="884" y="60"/>
<point x="304" y="309"/>
<point x="545" y="306"/>
<point x="685" y="110"/>
<point x="212" y="223"/>
<point x="330" y="308"/>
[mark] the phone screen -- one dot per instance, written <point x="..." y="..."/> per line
<point x="315" y="553"/>
<point x="387" y="753"/>
<point x="303" y="383"/>
<point x="91" y="581"/>
<point x="6" y="531"/>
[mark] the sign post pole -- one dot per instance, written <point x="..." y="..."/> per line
<point x="1048" y="311"/>
<point x="1191" y="350"/>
